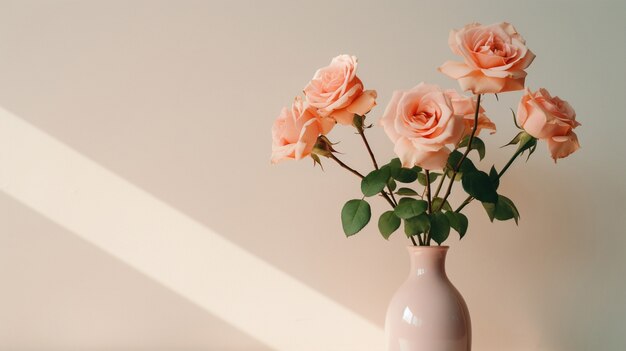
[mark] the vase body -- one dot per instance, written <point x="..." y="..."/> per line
<point x="427" y="313"/>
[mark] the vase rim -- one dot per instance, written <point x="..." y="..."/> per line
<point x="424" y="247"/>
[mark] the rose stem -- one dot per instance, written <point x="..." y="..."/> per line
<point x="443" y="177"/>
<point x="467" y="150"/>
<point x="430" y="206"/>
<point x="355" y="172"/>
<point x="500" y="174"/>
<point x="369" y="150"/>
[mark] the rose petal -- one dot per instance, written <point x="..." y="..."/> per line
<point x="364" y="103"/>
<point x="455" y="69"/>
<point x="563" y="146"/>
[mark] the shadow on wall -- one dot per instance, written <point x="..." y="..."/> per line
<point x="60" y="292"/>
<point x="168" y="246"/>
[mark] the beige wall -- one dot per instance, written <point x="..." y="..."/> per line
<point x="139" y="210"/>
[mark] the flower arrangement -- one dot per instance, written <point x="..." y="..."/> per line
<point x="433" y="131"/>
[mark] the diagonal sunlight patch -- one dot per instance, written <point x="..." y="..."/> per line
<point x="171" y="248"/>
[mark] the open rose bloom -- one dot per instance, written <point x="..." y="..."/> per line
<point x="424" y="120"/>
<point x="549" y="118"/>
<point x="494" y="58"/>
<point x="335" y="91"/>
<point x="432" y="128"/>
<point x="295" y="132"/>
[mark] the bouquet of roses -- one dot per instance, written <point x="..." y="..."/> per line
<point x="433" y="130"/>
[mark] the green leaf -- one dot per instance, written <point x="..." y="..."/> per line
<point x="495" y="179"/>
<point x="502" y="210"/>
<point x="408" y="207"/>
<point x="437" y="205"/>
<point x="477" y="144"/>
<point x="392" y="184"/>
<point x="375" y="181"/>
<point x="407" y="192"/>
<point x="466" y="166"/>
<point x="478" y="184"/>
<point x="417" y="225"/>
<point x="458" y="222"/>
<point x="421" y="177"/>
<point x="394" y="164"/>
<point x="439" y="227"/>
<point x="388" y="223"/>
<point x="401" y="174"/>
<point x="355" y="215"/>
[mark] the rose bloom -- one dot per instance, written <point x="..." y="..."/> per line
<point x="422" y="121"/>
<point x="295" y="131"/>
<point x="466" y="106"/>
<point x="495" y="58"/>
<point x="336" y="91"/>
<point x="550" y="118"/>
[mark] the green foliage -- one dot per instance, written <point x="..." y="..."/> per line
<point x="479" y="185"/>
<point x="421" y="177"/>
<point x="417" y="225"/>
<point x="458" y="222"/>
<point x="388" y="223"/>
<point x="437" y="205"/>
<point x="401" y="174"/>
<point x="375" y="181"/>
<point x="355" y="215"/>
<point x="524" y="141"/>
<point x="495" y="178"/>
<point x="477" y="144"/>
<point x="504" y="209"/>
<point x="408" y="208"/>
<point x="453" y="160"/>
<point x="439" y="227"/>
<point x="407" y="192"/>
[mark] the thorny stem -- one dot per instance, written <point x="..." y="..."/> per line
<point x="443" y="178"/>
<point x="467" y="150"/>
<point x="369" y="150"/>
<point x="500" y="174"/>
<point x="430" y="206"/>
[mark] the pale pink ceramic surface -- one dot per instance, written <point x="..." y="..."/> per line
<point x="427" y="313"/>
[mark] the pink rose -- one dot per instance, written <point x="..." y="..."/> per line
<point x="549" y="118"/>
<point x="466" y="106"/>
<point x="421" y="121"/>
<point x="335" y="91"/>
<point x="495" y="58"/>
<point x="295" y="132"/>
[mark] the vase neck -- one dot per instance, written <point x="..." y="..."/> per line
<point x="429" y="260"/>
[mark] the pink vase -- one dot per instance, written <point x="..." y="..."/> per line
<point x="427" y="313"/>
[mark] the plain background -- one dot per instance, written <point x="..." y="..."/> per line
<point x="177" y="98"/>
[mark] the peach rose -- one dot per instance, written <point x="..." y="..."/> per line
<point x="421" y="121"/>
<point x="495" y="58"/>
<point x="466" y="106"/>
<point x="335" y="91"/>
<point x="295" y="131"/>
<point x="550" y="118"/>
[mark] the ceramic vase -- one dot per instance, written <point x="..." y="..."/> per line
<point x="427" y="313"/>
